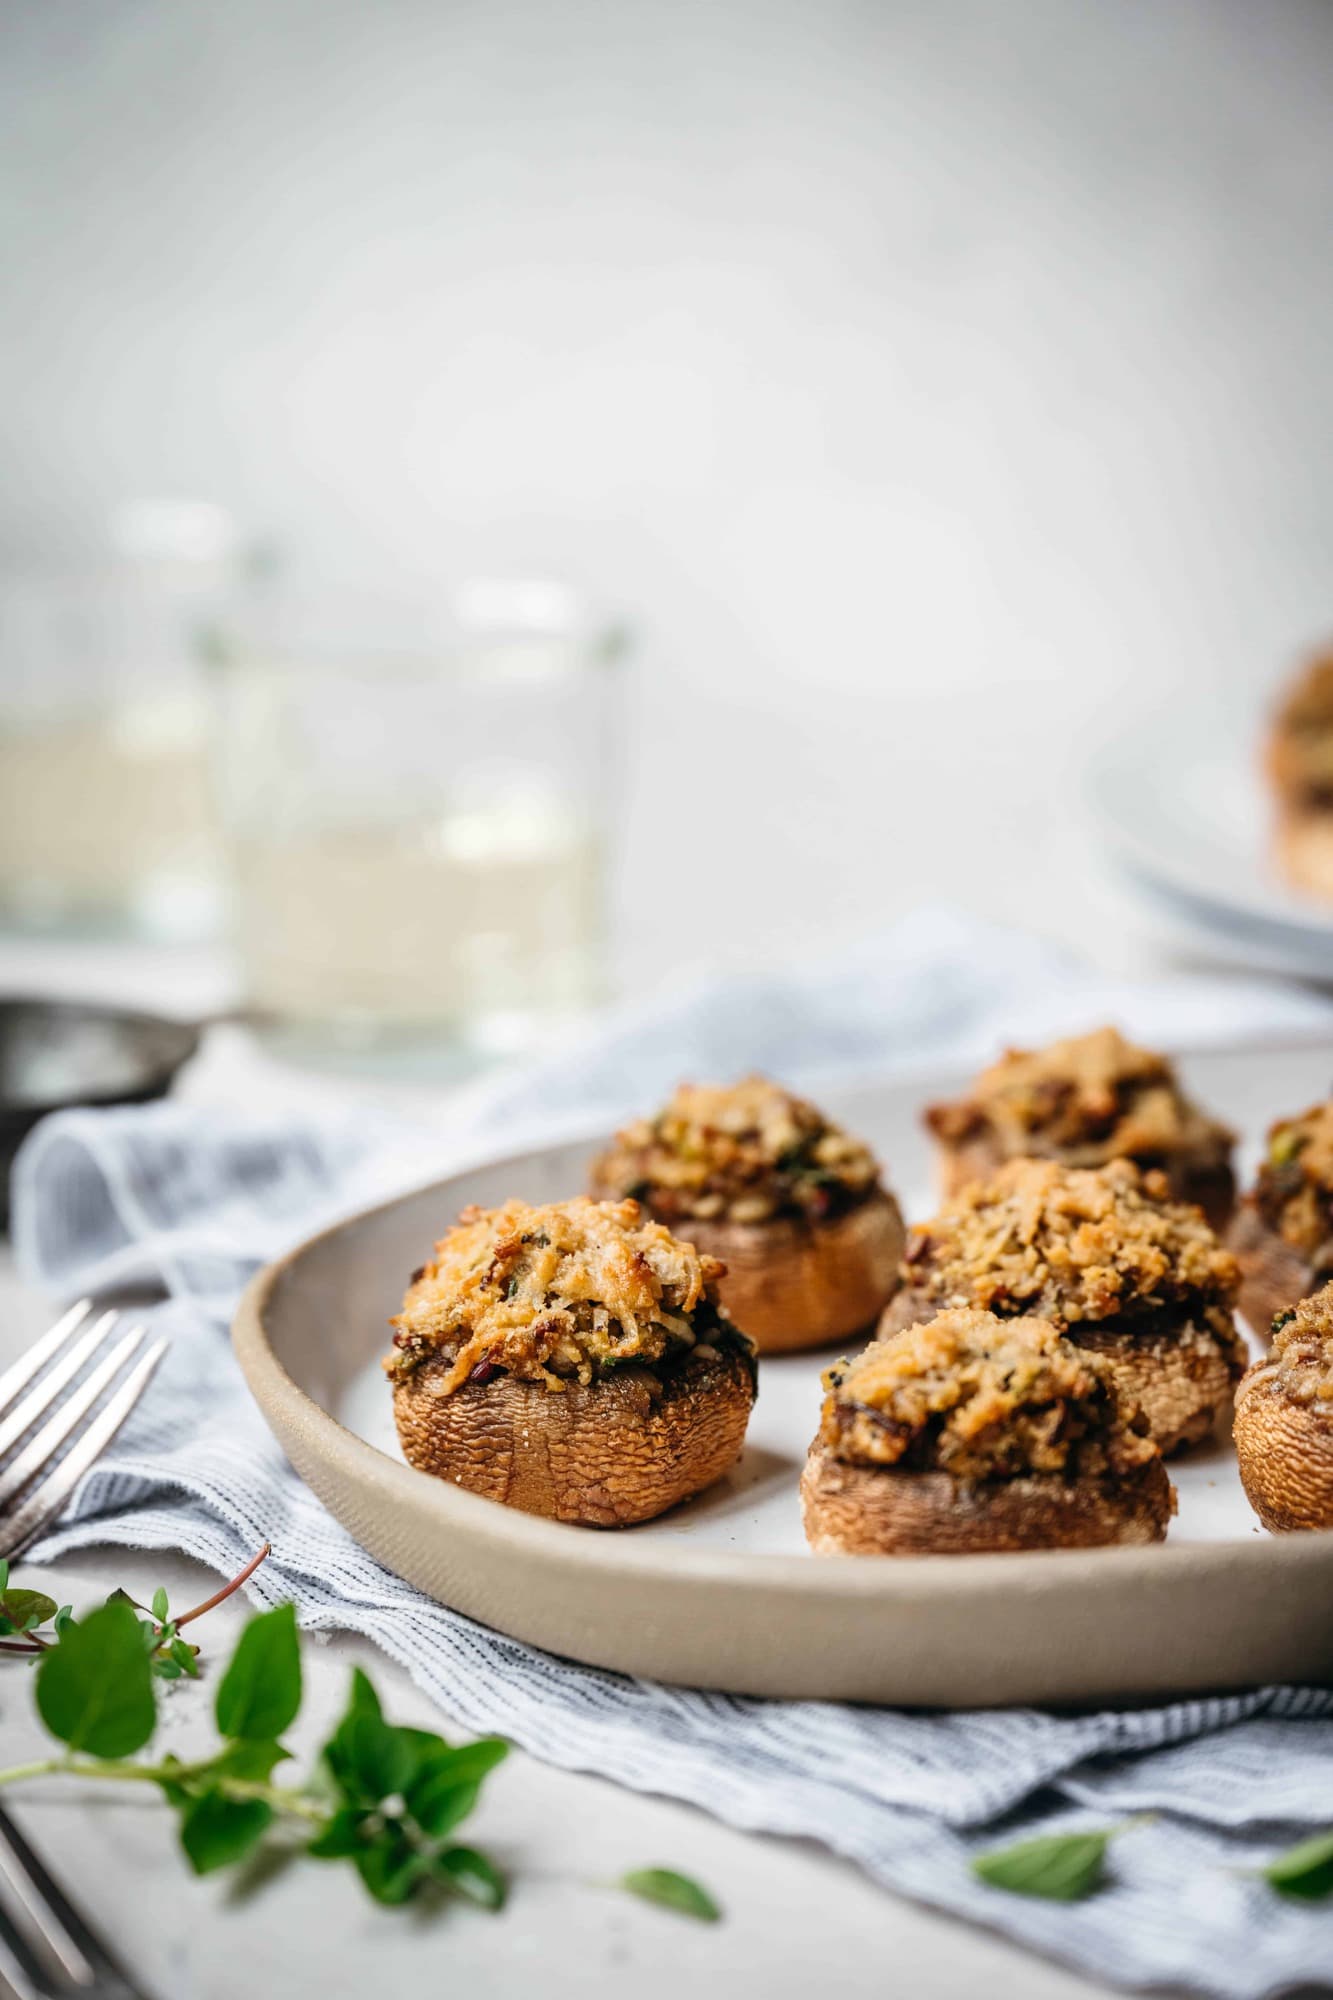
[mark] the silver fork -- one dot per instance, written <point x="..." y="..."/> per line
<point x="39" y="1472"/>
<point x="47" y="1950"/>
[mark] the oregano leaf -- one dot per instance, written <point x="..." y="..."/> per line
<point x="1304" y="1872"/>
<point x="160" y="1605"/>
<point x="95" y="1688"/>
<point x="216" y="1830"/>
<point x="1060" y="1867"/>
<point x="260" y="1692"/>
<point x="473" y="1876"/>
<point x="673" y="1891"/>
<point x="26" y="1609"/>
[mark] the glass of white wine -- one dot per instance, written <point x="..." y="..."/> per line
<point x="417" y="812"/>
<point x="106" y="820"/>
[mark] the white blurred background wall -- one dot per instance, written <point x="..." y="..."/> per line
<point x="934" y="385"/>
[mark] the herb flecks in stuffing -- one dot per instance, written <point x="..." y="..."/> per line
<point x="743" y="1153"/>
<point x="980" y="1397"/>
<point x="1074" y="1244"/>
<point x="1300" y="1363"/>
<point x="1294" y="1191"/>
<point x="1086" y="1100"/>
<point x="557" y="1293"/>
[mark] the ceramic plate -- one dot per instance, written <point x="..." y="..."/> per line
<point x="1200" y="844"/>
<point x="723" y="1593"/>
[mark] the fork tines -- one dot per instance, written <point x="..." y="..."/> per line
<point x="43" y="1456"/>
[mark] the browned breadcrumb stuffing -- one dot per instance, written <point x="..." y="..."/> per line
<point x="565" y="1291"/>
<point x="1294" y="1190"/>
<point x="1076" y="1245"/>
<point x="981" y="1397"/>
<point x="1087" y="1100"/>
<point x="1300" y="1361"/>
<point x="1300" y="753"/>
<point x="740" y="1153"/>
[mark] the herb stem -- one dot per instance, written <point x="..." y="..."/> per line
<point x="22" y="1645"/>
<point x="282" y="1798"/>
<point x="219" y="1596"/>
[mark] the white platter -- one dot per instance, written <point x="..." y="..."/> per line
<point x="723" y="1591"/>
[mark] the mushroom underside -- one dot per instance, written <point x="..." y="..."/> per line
<point x="860" y="1510"/>
<point x="621" y="1449"/>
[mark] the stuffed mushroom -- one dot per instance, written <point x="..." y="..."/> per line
<point x="788" y="1201"/>
<point x="974" y="1433"/>
<point x="1284" y="1421"/>
<point x="1111" y="1262"/>
<point x="1083" y="1102"/>
<point x="570" y="1360"/>
<point x="1283" y="1232"/>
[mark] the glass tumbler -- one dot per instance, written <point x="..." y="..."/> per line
<point x="418" y="827"/>
<point x="106" y="820"/>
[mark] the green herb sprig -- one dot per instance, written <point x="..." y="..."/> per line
<point x="24" y="1614"/>
<point x="385" y="1798"/>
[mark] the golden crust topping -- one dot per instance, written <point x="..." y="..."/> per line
<point x="1087" y="1100"/>
<point x="1294" y="1191"/>
<point x="566" y="1290"/>
<point x="1300" y="1361"/>
<point x="982" y="1398"/>
<point x="1071" y="1243"/>
<point x="741" y="1153"/>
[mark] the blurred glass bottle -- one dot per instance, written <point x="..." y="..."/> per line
<point x="106" y="817"/>
<point x="418" y="813"/>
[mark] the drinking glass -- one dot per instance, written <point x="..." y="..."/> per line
<point x="417" y="820"/>
<point x="106" y="818"/>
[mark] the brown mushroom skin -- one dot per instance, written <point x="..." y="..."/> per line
<point x="876" y="1511"/>
<point x="1285" y="1452"/>
<point x="1183" y="1384"/>
<point x="792" y="1284"/>
<point x="1274" y="1274"/>
<point x="1211" y="1188"/>
<point x="1303" y="847"/>
<point x="624" y="1448"/>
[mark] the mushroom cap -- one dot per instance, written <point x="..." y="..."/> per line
<point x="1303" y="844"/>
<point x="860" y="1510"/>
<point x="1273" y="1273"/>
<point x="623" y="1448"/>
<point x="792" y="1284"/>
<point x="1285" y="1451"/>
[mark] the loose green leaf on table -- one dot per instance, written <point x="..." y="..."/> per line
<point x="95" y="1688"/>
<point x="24" y="1610"/>
<point x="1061" y="1867"/>
<point x="673" y="1892"/>
<point x="260" y="1692"/>
<point x="1304" y="1872"/>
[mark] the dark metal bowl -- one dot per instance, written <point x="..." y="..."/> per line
<point x="55" y="1053"/>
